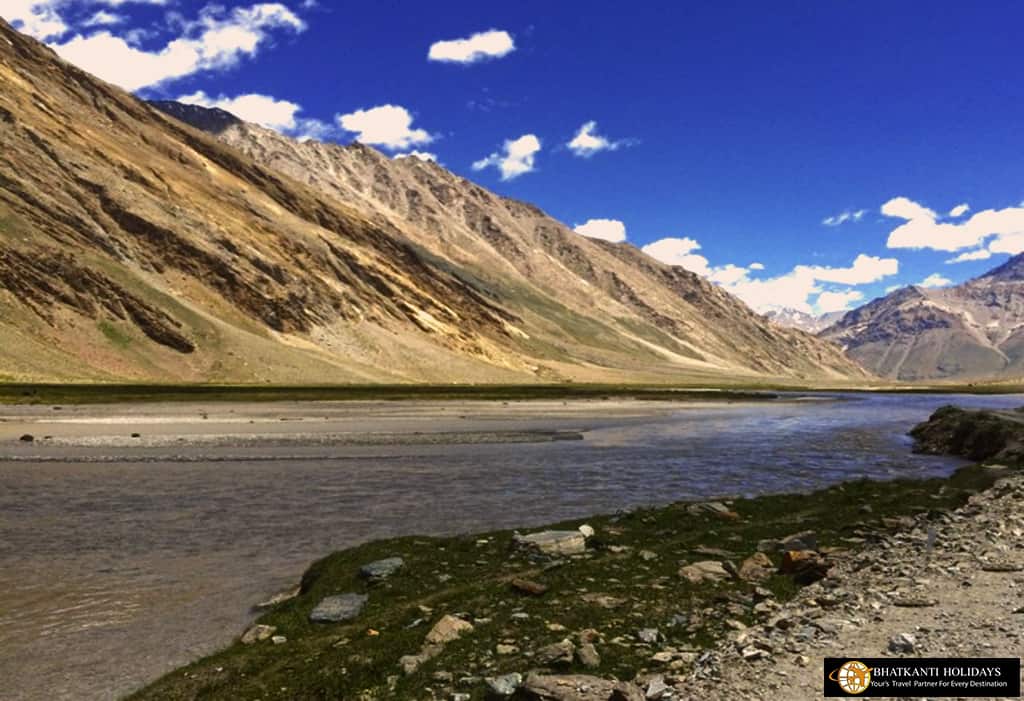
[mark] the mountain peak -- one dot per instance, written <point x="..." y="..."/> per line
<point x="209" y="119"/>
<point x="1010" y="271"/>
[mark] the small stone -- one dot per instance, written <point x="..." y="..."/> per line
<point x="756" y="568"/>
<point x="656" y="688"/>
<point x="505" y="685"/>
<point x="586" y="531"/>
<point x="802" y="660"/>
<point x="461" y="696"/>
<point x="588" y="656"/>
<point x="279" y="598"/>
<point x="704" y="571"/>
<point x="446" y="630"/>
<point x="27" y="438"/>
<point x="338" y="608"/>
<point x="381" y="569"/>
<point x="753" y="653"/>
<point x="257" y="633"/>
<point x="279" y="640"/>
<point x="647" y="555"/>
<point x="649" y="635"/>
<point x="579" y="687"/>
<point x="503" y="649"/>
<point x="904" y="642"/>
<point x="806" y="566"/>
<point x="554" y="542"/>
<point x="527" y="586"/>
<point x="560" y="653"/>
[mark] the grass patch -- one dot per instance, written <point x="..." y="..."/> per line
<point x="634" y="558"/>
<point x="115" y="334"/>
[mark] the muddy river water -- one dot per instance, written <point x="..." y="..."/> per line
<point x="123" y="557"/>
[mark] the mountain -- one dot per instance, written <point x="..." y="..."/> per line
<point x="136" y="247"/>
<point x="796" y="319"/>
<point x="971" y="331"/>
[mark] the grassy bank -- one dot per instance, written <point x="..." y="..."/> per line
<point x="626" y="581"/>
<point x="22" y="393"/>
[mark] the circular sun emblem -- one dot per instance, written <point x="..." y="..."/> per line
<point x="853" y="677"/>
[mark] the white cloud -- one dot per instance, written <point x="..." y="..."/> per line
<point x="421" y="155"/>
<point x="389" y="126"/>
<point x="837" y="301"/>
<point x="679" y="251"/>
<point x="258" y="109"/>
<point x="605" y="229"/>
<point x="221" y="39"/>
<point x="103" y="18"/>
<point x="793" y="290"/>
<point x="494" y="43"/>
<point x="922" y="228"/>
<point x="980" y="254"/>
<point x="935" y="280"/>
<point x="517" y="157"/>
<point x="844" y="217"/>
<point x="37" y="19"/>
<point x="587" y="141"/>
<point x="960" y="210"/>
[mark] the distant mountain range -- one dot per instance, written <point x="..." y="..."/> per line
<point x="967" y="332"/>
<point x="175" y="243"/>
<point x="796" y="319"/>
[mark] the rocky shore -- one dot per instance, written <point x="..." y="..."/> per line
<point x="721" y="599"/>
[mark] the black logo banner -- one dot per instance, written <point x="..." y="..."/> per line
<point x="935" y="677"/>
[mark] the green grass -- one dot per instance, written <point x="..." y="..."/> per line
<point x="346" y="661"/>
<point x="115" y="334"/>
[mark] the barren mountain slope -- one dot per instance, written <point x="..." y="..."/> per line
<point x="135" y="247"/>
<point x="594" y="301"/>
<point x="970" y="331"/>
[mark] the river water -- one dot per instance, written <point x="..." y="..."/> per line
<point x="124" y="557"/>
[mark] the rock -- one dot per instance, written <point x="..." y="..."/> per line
<point x="256" y="634"/>
<point x="649" y="635"/>
<point x="752" y="652"/>
<point x="381" y="569"/>
<point x="338" y="608"/>
<point x="279" y="640"/>
<point x="553" y="542"/>
<point x="806" y="566"/>
<point x="410" y="663"/>
<point x="27" y="438"/>
<point x="279" y="598"/>
<point x="904" y="642"/>
<point x="756" y="568"/>
<point x="504" y="686"/>
<point x="656" y="688"/>
<point x="527" y="586"/>
<point x="577" y="687"/>
<point x="588" y="656"/>
<point x="505" y="649"/>
<point x="587" y="531"/>
<point x="460" y="696"/>
<point x="805" y="540"/>
<point x="560" y="653"/>
<point x="446" y="630"/>
<point x="704" y="571"/>
<point x="605" y="601"/>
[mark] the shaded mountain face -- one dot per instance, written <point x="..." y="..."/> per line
<point x="133" y="246"/>
<point x="970" y="331"/>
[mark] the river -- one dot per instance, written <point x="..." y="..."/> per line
<point x="123" y="557"/>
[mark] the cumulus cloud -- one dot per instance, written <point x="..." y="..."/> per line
<point x="793" y="290"/>
<point x="37" y="19"/>
<point x="980" y="254"/>
<point x="218" y="40"/>
<point x="605" y="229"/>
<point x="837" y="301"/>
<point x="935" y="280"/>
<point x="921" y="228"/>
<point x="587" y="141"/>
<point x="267" y="111"/>
<point x="493" y="43"/>
<point x="843" y="217"/>
<point x="388" y="126"/>
<point x="516" y="158"/>
<point x="960" y="210"/>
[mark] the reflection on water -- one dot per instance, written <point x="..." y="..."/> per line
<point x="120" y="563"/>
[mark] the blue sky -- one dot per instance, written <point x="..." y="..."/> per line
<point x="736" y="127"/>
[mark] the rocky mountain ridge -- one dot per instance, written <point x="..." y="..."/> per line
<point x="970" y="331"/>
<point x="137" y="248"/>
